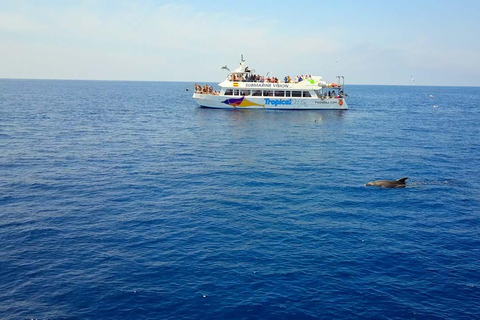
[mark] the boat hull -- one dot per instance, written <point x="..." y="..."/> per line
<point x="277" y="103"/>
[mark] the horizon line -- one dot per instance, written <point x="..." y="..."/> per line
<point x="188" y="81"/>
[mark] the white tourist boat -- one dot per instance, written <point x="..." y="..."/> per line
<point x="244" y="89"/>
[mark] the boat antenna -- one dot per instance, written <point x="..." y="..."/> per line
<point x="241" y="59"/>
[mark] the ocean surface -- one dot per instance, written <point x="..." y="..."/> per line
<point x="124" y="200"/>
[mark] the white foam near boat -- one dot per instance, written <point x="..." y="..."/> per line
<point x="243" y="89"/>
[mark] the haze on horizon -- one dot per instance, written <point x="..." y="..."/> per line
<point x="369" y="42"/>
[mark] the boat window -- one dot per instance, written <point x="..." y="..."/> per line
<point x="236" y="92"/>
<point x="306" y="94"/>
<point x="287" y="93"/>
<point x="296" y="93"/>
<point x="279" y="93"/>
<point x="245" y="92"/>
<point x="229" y="92"/>
<point x="268" y="93"/>
<point x="257" y="93"/>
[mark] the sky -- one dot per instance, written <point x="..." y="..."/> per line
<point x="368" y="42"/>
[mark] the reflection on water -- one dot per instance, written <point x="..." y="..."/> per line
<point x="287" y="116"/>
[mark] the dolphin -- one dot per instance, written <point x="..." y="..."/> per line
<point x="400" y="183"/>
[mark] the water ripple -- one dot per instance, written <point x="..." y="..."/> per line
<point x="125" y="200"/>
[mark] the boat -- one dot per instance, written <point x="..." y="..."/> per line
<point x="244" y="89"/>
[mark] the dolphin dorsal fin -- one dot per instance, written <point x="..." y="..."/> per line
<point x="402" y="180"/>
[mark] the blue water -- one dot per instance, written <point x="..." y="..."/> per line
<point x="124" y="200"/>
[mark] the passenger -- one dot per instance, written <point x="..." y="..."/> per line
<point x="247" y="70"/>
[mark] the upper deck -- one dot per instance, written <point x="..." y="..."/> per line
<point x="243" y="77"/>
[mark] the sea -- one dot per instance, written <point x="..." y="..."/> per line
<point x="125" y="200"/>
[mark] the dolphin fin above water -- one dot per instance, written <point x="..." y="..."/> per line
<point x="402" y="180"/>
<point x="400" y="183"/>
